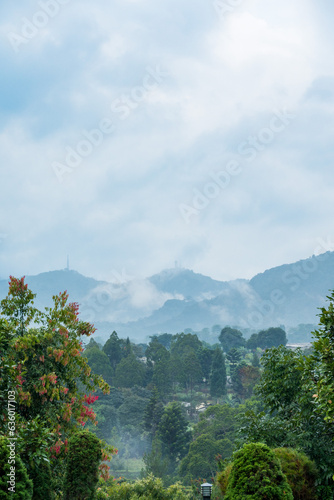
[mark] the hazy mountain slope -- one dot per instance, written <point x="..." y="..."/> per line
<point x="302" y="288"/>
<point x="187" y="283"/>
<point x="51" y="283"/>
<point x="286" y="295"/>
<point x="176" y="299"/>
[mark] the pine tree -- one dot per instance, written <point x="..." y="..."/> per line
<point x="173" y="432"/>
<point x="256" y="360"/>
<point x="112" y="348"/>
<point x="162" y="377"/>
<point x="218" y="374"/>
<point x="234" y="356"/>
<point x="127" y="348"/>
<point x="153" y="413"/>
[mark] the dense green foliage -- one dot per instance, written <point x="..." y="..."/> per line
<point x="153" y="413"/>
<point x="84" y="456"/>
<point x="18" y="485"/>
<point x="129" y="372"/>
<point x="256" y="474"/>
<point x="300" y="471"/>
<point x="231" y="338"/>
<point x="99" y="363"/>
<point x="149" y="488"/>
<point x="41" y="476"/>
<point x="173" y="432"/>
<point x="265" y="339"/>
<point x="244" y="377"/>
<point x="292" y="417"/>
<point x="161" y="411"/>
<point x="218" y="374"/>
<point x="213" y="440"/>
<point x="42" y="365"/>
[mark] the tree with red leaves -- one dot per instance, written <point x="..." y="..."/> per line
<point x="41" y="371"/>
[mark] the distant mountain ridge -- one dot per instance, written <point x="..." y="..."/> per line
<point x="187" y="283"/>
<point x="176" y="299"/>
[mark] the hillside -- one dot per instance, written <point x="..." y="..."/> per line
<point x="176" y="299"/>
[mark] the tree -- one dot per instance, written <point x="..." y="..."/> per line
<point x="300" y="472"/>
<point x="129" y="372"/>
<point x="205" y="356"/>
<point x="192" y="370"/>
<point x="43" y="367"/>
<point x="182" y="343"/>
<point x="156" y="462"/>
<point x="153" y="413"/>
<point x="214" y="437"/>
<point x="165" y="339"/>
<point x="250" y="375"/>
<point x="256" y="360"/>
<point x="231" y="338"/>
<point x="173" y="432"/>
<point x="112" y="348"/>
<point x="282" y="378"/>
<point x="201" y="461"/>
<point x="293" y="419"/>
<point x="92" y="343"/>
<point x="244" y="377"/>
<point x="156" y="351"/>
<point x="256" y="474"/>
<point x="234" y="356"/>
<point x="83" y="460"/>
<point x="323" y="361"/>
<point x="265" y="339"/>
<point x="127" y="349"/>
<point x="162" y="376"/>
<point x="218" y="374"/>
<point x="99" y="363"/>
<point x="131" y="412"/>
<point x="220" y="422"/>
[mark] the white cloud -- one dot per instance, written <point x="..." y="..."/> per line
<point x="121" y="204"/>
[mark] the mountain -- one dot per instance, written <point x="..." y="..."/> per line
<point x="51" y="283"/>
<point x="287" y="295"/>
<point x="179" y="299"/>
<point x="187" y="283"/>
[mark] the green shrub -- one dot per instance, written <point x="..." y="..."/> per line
<point x="42" y="480"/>
<point x="223" y="477"/>
<point x="149" y="488"/>
<point x="256" y="474"/>
<point x="84" y="456"/>
<point x="23" y="487"/>
<point x="300" y="471"/>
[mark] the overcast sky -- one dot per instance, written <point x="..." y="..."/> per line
<point x="137" y="133"/>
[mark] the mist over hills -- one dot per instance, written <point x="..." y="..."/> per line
<point x="179" y="299"/>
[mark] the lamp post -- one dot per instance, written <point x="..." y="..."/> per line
<point x="206" y="490"/>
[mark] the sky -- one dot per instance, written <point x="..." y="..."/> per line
<point x="135" y="134"/>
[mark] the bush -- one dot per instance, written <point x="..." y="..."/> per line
<point x="150" y="488"/>
<point x="223" y="477"/>
<point x="300" y="471"/>
<point x="23" y="486"/>
<point x="84" y="456"/>
<point x="256" y="474"/>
